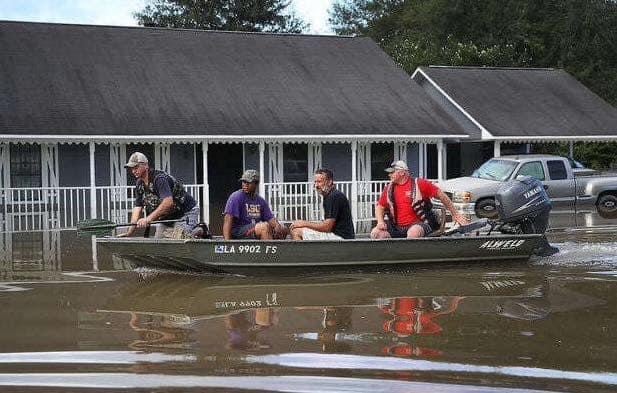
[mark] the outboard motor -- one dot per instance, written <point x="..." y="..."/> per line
<point x="524" y="206"/>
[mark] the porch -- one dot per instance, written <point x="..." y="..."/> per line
<point x="45" y="208"/>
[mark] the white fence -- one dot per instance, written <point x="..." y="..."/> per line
<point x="300" y="201"/>
<point x="27" y="209"/>
<point x="41" y="208"/>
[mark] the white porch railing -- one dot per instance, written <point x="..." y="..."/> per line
<point x="41" y="208"/>
<point x="300" y="201"/>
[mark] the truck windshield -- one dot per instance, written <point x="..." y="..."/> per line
<point x="494" y="169"/>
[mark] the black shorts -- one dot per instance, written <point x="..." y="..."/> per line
<point x="397" y="232"/>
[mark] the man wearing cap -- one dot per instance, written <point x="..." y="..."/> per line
<point x="407" y="202"/>
<point x="337" y="224"/>
<point x="162" y="197"/>
<point x="248" y="215"/>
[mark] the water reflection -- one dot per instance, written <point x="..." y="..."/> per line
<point x="377" y="314"/>
<point x="429" y="323"/>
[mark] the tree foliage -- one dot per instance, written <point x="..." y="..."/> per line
<point x="579" y="36"/>
<point x="229" y="15"/>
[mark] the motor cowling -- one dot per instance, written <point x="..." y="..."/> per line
<point x="525" y="203"/>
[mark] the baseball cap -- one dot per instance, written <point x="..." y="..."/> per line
<point x="136" y="159"/>
<point x="250" y="176"/>
<point x="397" y="165"/>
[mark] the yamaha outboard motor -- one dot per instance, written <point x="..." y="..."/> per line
<point x="524" y="206"/>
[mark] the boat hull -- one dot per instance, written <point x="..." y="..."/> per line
<point x="208" y="255"/>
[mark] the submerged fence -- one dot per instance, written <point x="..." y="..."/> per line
<point x="41" y="208"/>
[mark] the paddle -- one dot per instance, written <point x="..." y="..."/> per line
<point x="96" y="224"/>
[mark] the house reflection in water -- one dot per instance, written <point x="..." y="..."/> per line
<point x="38" y="254"/>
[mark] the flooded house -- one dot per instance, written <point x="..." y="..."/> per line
<point x="77" y="100"/>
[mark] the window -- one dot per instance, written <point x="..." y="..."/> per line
<point x="295" y="162"/>
<point x="382" y="155"/>
<point x="533" y="169"/>
<point x="25" y="166"/>
<point x="557" y="170"/>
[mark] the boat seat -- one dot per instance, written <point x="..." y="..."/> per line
<point x="441" y="217"/>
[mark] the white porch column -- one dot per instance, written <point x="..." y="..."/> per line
<point x="497" y="149"/>
<point x="421" y="159"/>
<point x="5" y="180"/>
<point x="314" y="158"/>
<point x="162" y="156"/>
<point x="441" y="160"/>
<point x="117" y="159"/>
<point x="400" y="151"/>
<point x="205" y="212"/>
<point x="354" y="183"/>
<point x="50" y="179"/>
<point x="92" y="149"/>
<point x="5" y="166"/>
<point x="49" y="161"/>
<point x="262" y="165"/>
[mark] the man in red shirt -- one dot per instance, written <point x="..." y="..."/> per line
<point x="407" y="202"/>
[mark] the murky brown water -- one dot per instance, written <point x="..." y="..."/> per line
<point x="77" y="320"/>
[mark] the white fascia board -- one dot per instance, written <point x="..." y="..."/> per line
<point x="558" y="138"/>
<point x="486" y="135"/>
<point x="340" y="138"/>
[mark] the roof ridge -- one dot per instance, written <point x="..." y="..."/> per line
<point x="181" y="29"/>
<point x="495" y="68"/>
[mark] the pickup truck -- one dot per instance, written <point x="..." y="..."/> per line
<point x="568" y="190"/>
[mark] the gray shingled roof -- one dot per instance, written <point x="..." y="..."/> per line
<point x="96" y="80"/>
<point x="523" y="103"/>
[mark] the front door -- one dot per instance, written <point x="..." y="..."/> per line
<point x="224" y="170"/>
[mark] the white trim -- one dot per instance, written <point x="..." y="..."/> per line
<point x="496" y="149"/>
<point x="205" y="212"/>
<point x="400" y="151"/>
<point x="92" y="151"/>
<point x="162" y="159"/>
<point x="314" y="159"/>
<point x="49" y="165"/>
<point x="485" y="133"/>
<point x="421" y="159"/>
<point x="227" y="138"/>
<point x="262" y="165"/>
<point x="550" y="138"/>
<point x="442" y="156"/>
<point x="5" y="165"/>
<point x="117" y="159"/>
<point x="354" y="183"/>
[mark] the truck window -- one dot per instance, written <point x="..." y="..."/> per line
<point x="557" y="170"/>
<point x="533" y="169"/>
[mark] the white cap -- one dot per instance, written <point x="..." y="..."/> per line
<point x="136" y="159"/>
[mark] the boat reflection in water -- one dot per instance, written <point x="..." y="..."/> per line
<point x="402" y="315"/>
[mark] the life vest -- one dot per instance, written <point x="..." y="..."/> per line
<point x="152" y="201"/>
<point x="421" y="206"/>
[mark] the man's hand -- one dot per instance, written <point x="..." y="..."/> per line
<point x="143" y="222"/>
<point x="298" y="224"/>
<point x="382" y="226"/>
<point x="460" y="219"/>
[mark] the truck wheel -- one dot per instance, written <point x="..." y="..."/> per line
<point x="485" y="208"/>
<point x="607" y="206"/>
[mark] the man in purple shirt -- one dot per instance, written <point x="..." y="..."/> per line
<point x="248" y="216"/>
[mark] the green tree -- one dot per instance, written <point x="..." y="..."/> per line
<point x="579" y="36"/>
<point x="230" y="15"/>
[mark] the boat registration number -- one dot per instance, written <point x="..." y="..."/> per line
<point x="244" y="249"/>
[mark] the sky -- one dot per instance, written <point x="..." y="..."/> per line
<point x="119" y="12"/>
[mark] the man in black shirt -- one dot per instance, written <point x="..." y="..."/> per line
<point x="337" y="223"/>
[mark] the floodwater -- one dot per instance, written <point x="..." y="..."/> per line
<point x="77" y="320"/>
